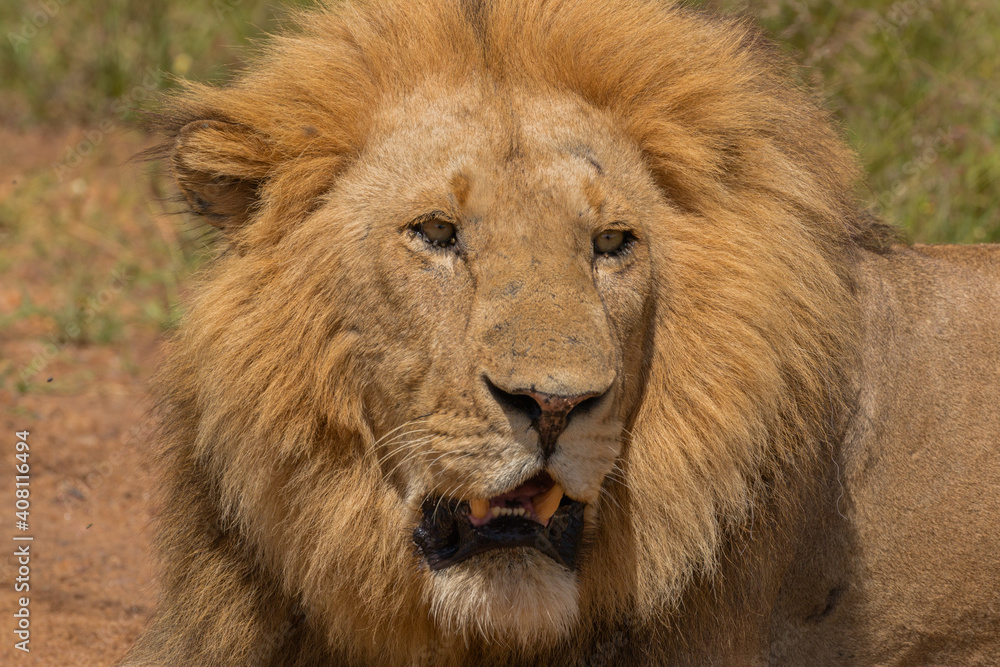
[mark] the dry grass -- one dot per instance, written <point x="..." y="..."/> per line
<point x="915" y="85"/>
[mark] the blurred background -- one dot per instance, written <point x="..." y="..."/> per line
<point x="93" y="257"/>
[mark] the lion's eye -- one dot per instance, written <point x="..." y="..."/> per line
<point x="610" y="241"/>
<point x="436" y="232"/>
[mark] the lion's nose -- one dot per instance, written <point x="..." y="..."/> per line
<point x="548" y="413"/>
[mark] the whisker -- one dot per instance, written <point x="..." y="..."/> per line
<point x="459" y="455"/>
<point x="618" y="476"/>
<point x="393" y="434"/>
<point x="611" y="497"/>
<point x="410" y="445"/>
<point x="398" y="428"/>
<point x="394" y="441"/>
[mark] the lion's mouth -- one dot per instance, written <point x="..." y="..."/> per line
<point x="535" y="514"/>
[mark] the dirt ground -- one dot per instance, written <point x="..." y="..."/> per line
<point x="91" y="578"/>
<point x="91" y="575"/>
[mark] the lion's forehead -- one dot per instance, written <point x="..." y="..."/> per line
<point x="517" y="144"/>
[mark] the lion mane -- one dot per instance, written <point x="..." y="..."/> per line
<point x="284" y="537"/>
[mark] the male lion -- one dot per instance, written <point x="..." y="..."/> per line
<point x="549" y="332"/>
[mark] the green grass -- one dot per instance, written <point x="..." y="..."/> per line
<point x="88" y="249"/>
<point x="67" y="61"/>
<point x="915" y="82"/>
<point x="916" y="86"/>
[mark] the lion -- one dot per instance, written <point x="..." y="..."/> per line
<point x="554" y="333"/>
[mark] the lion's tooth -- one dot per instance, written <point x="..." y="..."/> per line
<point x="479" y="508"/>
<point x="496" y="512"/>
<point x="519" y="511"/>
<point x="547" y="503"/>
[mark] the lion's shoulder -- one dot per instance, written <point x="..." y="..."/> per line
<point x="983" y="258"/>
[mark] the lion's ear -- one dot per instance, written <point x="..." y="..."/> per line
<point x="220" y="168"/>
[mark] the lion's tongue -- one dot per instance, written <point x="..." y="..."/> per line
<point x="539" y="496"/>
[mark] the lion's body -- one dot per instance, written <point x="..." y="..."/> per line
<point x="909" y="569"/>
<point x="788" y="451"/>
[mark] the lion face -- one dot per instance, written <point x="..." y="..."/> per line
<point x="516" y="327"/>
<point x="509" y="257"/>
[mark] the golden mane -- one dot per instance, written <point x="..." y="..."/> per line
<point x="752" y="330"/>
<point x="710" y="139"/>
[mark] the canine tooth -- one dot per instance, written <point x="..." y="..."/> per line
<point x="519" y="511"/>
<point x="479" y="508"/>
<point x="495" y="511"/>
<point x="547" y="503"/>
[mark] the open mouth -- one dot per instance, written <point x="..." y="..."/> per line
<point x="535" y="514"/>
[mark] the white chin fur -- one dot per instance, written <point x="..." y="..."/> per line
<point x="510" y="595"/>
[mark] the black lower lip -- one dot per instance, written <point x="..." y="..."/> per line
<point x="445" y="536"/>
